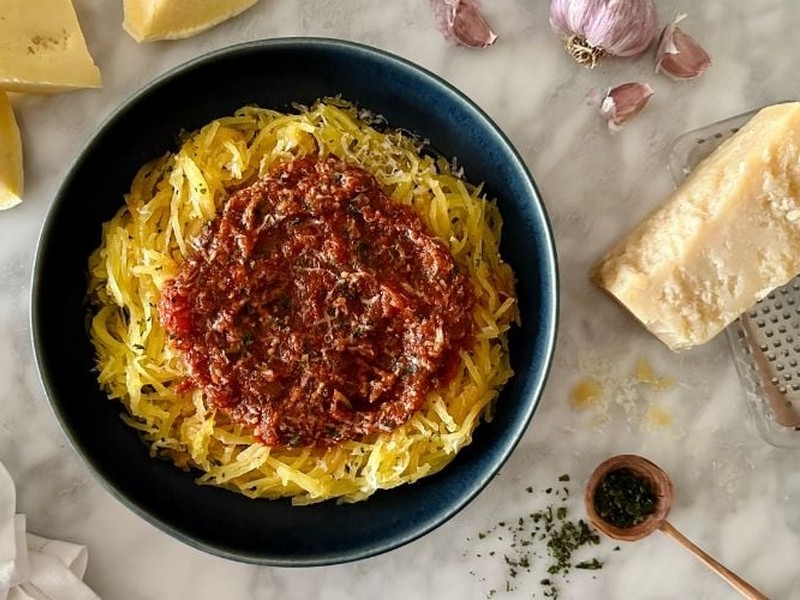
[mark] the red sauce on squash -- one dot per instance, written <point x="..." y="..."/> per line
<point x="315" y="309"/>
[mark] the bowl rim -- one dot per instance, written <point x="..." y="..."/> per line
<point x="549" y="301"/>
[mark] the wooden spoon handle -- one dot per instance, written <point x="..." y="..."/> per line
<point x="747" y="590"/>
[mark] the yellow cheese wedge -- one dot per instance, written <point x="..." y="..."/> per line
<point x="150" y="20"/>
<point x="723" y="240"/>
<point x="10" y="156"/>
<point x="42" y="49"/>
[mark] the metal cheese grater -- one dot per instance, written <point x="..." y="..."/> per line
<point x="765" y="340"/>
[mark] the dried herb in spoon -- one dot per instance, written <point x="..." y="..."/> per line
<point x="624" y="498"/>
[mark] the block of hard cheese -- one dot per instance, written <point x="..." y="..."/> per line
<point x="726" y="237"/>
<point x="150" y="20"/>
<point x="42" y="49"/>
<point x="11" y="174"/>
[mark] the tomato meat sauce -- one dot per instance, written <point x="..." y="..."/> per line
<point x="315" y="309"/>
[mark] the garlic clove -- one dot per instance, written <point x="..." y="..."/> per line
<point x="470" y="27"/>
<point x="679" y="55"/>
<point x="623" y="102"/>
<point x="462" y="21"/>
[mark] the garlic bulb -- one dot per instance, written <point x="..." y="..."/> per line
<point x="593" y="28"/>
<point x="678" y="55"/>
<point x="624" y="102"/>
<point x="462" y="21"/>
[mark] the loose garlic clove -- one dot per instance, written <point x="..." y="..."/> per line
<point x="623" y="102"/>
<point x="463" y="21"/>
<point x="679" y="55"/>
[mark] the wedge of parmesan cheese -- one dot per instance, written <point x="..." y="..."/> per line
<point x="42" y="49"/>
<point x="723" y="240"/>
<point x="150" y="20"/>
<point x="10" y="156"/>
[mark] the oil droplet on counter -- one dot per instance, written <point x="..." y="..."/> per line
<point x="644" y="372"/>
<point x="658" y="416"/>
<point x="586" y="393"/>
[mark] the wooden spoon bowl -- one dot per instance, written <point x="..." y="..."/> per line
<point x="660" y="484"/>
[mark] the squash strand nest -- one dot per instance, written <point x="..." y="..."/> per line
<point x="170" y="201"/>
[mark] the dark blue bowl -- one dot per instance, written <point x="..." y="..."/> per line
<point x="275" y="74"/>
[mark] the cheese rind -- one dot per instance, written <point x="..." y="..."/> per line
<point x="11" y="178"/>
<point x="42" y="49"/>
<point x="725" y="238"/>
<point x="151" y="20"/>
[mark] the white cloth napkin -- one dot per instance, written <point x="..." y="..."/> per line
<point x="33" y="567"/>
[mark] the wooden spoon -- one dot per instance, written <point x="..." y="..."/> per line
<point x="664" y="491"/>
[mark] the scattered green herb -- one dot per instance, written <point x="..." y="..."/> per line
<point x="592" y="565"/>
<point x="624" y="499"/>
<point x="544" y="542"/>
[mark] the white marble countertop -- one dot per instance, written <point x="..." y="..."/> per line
<point x="737" y="496"/>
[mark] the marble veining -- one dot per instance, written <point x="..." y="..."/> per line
<point x="736" y="496"/>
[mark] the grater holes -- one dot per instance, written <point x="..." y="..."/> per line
<point x="766" y="339"/>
